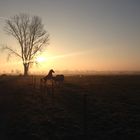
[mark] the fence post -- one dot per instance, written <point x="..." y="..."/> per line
<point x="85" y="115"/>
<point x="34" y="82"/>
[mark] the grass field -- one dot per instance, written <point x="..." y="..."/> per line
<point x="84" y="107"/>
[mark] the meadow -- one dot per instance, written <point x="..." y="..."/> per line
<point x="83" y="107"/>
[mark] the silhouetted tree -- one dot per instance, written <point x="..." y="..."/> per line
<point x="31" y="36"/>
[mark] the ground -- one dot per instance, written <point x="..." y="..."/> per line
<point x="83" y="107"/>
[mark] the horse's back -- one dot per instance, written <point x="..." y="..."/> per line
<point x="59" y="78"/>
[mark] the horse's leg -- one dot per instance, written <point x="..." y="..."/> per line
<point x="52" y="86"/>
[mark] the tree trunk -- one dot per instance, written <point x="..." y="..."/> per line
<point x="26" y="69"/>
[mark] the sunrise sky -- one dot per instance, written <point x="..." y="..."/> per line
<point x="97" y="35"/>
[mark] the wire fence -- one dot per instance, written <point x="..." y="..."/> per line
<point x="91" y="115"/>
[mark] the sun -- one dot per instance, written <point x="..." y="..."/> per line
<point x="40" y="59"/>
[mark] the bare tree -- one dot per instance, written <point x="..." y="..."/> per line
<point x="31" y="36"/>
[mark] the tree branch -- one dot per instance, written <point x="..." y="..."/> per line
<point x="11" y="50"/>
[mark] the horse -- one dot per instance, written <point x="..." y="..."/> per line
<point x="49" y="86"/>
<point x="58" y="79"/>
<point x="49" y="76"/>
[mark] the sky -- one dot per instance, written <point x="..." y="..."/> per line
<point x="99" y="35"/>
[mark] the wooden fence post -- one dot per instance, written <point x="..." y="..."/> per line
<point x="85" y="115"/>
<point x="34" y="82"/>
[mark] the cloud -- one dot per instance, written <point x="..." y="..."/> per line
<point x="68" y="55"/>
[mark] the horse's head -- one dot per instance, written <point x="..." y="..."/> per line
<point x="52" y="71"/>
